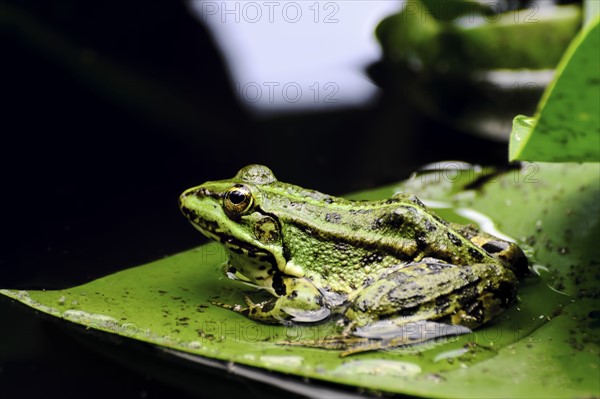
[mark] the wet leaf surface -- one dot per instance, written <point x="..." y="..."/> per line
<point x="547" y="345"/>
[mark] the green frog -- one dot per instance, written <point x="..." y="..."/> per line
<point x="378" y="267"/>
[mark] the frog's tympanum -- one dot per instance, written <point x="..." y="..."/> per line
<point x="380" y="267"/>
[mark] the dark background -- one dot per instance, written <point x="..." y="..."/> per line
<point x="109" y="112"/>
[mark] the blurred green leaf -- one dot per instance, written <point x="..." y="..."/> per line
<point x="591" y="10"/>
<point x="566" y="127"/>
<point x="545" y="346"/>
<point x="461" y="36"/>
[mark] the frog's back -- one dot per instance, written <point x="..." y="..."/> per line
<point x="400" y="227"/>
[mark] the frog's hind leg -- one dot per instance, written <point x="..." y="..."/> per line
<point x="469" y="295"/>
<point x="428" y="300"/>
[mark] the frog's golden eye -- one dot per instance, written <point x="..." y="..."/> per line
<point x="237" y="201"/>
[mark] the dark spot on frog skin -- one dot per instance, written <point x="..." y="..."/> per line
<point x="430" y="227"/>
<point x="409" y="311"/>
<point x="393" y="220"/>
<point x="468" y="294"/>
<point x="377" y="224"/>
<point x="421" y="240"/>
<point x="441" y="304"/>
<point x="305" y="229"/>
<point x="360" y="211"/>
<point x="398" y="277"/>
<point x="232" y="249"/>
<point x="493" y="247"/>
<point x="333" y="217"/>
<point x="262" y="267"/>
<point x="475" y="254"/>
<point x="268" y="306"/>
<point x="368" y="281"/>
<point x="407" y="301"/>
<point x="454" y="239"/>
<point x="293" y="294"/>
<point x="476" y="310"/>
<point x="278" y="284"/>
<point x="435" y="268"/>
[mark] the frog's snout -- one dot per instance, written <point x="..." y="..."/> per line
<point x="184" y="206"/>
<point x="185" y="200"/>
<point x="189" y="199"/>
<point x="182" y="198"/>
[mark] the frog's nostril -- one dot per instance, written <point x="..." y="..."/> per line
<point x="192" y="192"/>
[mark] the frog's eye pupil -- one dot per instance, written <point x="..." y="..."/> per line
<point x="236" y="197"/>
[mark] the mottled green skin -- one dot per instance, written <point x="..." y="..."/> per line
<point x="366" y="260"/>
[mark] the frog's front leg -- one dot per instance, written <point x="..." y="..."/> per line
<point x="301" y="302"/>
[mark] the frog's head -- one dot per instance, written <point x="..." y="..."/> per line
<point x="229" y="211"/>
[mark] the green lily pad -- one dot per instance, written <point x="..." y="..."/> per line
<point x="566" y="127"/>
<point x="545" y="346"/>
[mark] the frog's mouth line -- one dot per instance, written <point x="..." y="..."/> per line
<point x="210" y="229"/>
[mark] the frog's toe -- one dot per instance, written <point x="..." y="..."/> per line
<point x="236" y="308"/>
<point x="335" y="342"/>
<point x="249" y="302"/>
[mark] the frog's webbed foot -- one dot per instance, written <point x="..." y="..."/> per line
<point x="334" y="342"/>
<point x="384" y="334"/>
